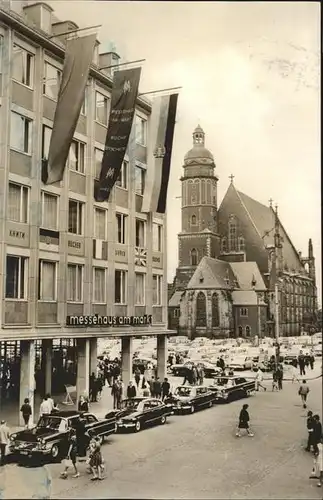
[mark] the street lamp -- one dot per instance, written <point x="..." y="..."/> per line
<point x="253" y="284"/>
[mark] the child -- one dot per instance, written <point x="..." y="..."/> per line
<point x="71" y="455"/>
<point x="244" y="421"/>
<point x="95" y="459"/>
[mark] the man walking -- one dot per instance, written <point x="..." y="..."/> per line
<point x="317" y="433"/>
<point x="116" y="392"/>
<point x="301" y="363"/>
<point x="303" y="392"/>
<point x="4" y="440"/>
<point x="46" y="406"/>
<point x="259" y="379"/>
<point x="157" y="388"/>
<point x="280" y="375"/>
<point x="310" y="429"/>
<point x="165" y="389"/>
<point x="131" y="390"/>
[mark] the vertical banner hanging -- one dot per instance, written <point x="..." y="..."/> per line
<point x="78" y="58"/>
<point x="162" y="125"/>
<point x="123" y="104"/>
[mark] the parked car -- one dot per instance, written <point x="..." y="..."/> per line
<point x="265" y="366"/>
<point x="227" y="389"/>
<point x="187" y="398"/>
<point x="241" y="363"/>
<point x="210" y="369"/>
<point x="49" y="438"/>
<point x="142" y="364"/>
<point x="136" y="413"/>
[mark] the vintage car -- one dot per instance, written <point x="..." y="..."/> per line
<point x="136" y="413"/>
<point x="210" y="369"/>
<point x="188" y="398"/>
<point x="143" y="363"/>
<point x="49" y="438"/>
<point x="226" y="389"/>
<point x="241" y="363"/>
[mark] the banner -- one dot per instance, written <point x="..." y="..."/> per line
<point x="123" y="104"/>
<point x="162" y="125"/>
<point x="78" y="58"/>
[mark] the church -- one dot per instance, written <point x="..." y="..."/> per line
<point x="230" y="259"/>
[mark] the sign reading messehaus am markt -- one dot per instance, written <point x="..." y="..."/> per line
<point x="97" y="320"/>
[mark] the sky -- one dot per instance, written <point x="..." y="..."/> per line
<point x="249" y="73"/>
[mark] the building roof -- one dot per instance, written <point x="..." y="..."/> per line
<point x="212" y="274"/>
<point x="246" y="272"/>
<point x="175" y="299"/>
<point x="246" y="298"/>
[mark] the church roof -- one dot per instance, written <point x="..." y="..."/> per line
<point x="198" y="152"/>
<point x="246" y="298"/>
<point x="214" y="274"/>
<point x="246" y="272"/>
<point x="175" y="299"/>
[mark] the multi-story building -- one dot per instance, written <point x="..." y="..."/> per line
<point x="63" y="256"/>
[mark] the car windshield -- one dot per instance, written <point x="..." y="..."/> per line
<point x="51" y="423"/>
<point x="183" y="391"/>
<point x="129" y="403"/>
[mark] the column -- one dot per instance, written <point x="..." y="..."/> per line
<point x="83" y="368"/>
<point x="27" y="376"/>
<point x="93" y="355"/>
<point x="126" y="360"/>
<point x="47" y="348"/>
<point x="162" y="354"/>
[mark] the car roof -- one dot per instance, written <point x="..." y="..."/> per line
<point x="67" y="413"/>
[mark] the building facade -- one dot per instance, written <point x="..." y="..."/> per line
<point x="71" y="268"/>
<point x="240" y="232"/>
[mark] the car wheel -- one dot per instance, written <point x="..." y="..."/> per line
<point x="248" y="394"/>
<point x="54" y="452"/>
<point x="192" y="410"/>
<point x="210" y="404"/>
<point x="163" y="420"/>
<point x="137" y="426"/>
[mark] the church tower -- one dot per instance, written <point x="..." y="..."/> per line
<point x="198" y="237"/>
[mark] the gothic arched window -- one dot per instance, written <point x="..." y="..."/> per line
<point x="215" y="311"/>
<point x="193" y="257"/>
<point x="193" y="220"/>
<point x="201" y="309"/>
<point x="232" y="234"/>
<point x="240" y="331"/>
<point x="241" y="244"/>
<point x="224" y="245"/>
<point x="248" y="331"/>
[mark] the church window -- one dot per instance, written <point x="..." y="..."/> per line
<point x="240" y="330"/>
<point x="244" y="312"/>
<point x="248" y="331"/>
<point x="194" y="257"/>
<point x="203" y="191"/>
<point x="214" y="194"/>
<point x="201" y="309"/>
<point x="208" y="193"/>
<point x="193" y="220"/>
<point x="232" y="234"/>
<point x="224" y="245"/>
<point x="215" y="311"/>
<point x="241" y="244"/>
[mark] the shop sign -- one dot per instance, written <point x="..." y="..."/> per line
<point x="98" y="320"/>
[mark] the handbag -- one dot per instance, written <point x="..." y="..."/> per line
<point x="68" y="462"/>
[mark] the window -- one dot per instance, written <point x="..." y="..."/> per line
<point x="141" y="131"/>
<point x="20" y="133"/>
<point x="232" y="234"/>
<point x="193" y="257"/>
<point x="224" y="246"/>
<point x="201" y="309"/>
<point x="248" y="331"/>
<point x="18" y="202"/>
<point x="75" y="217"/>
<point x="122" y="180"/>
<point x="193" y="220"/>
<point x="84" y="105"/>
<point x="139" y="289"/>
<point x="49" y="211"/>
<point x="244" y="312"/>
<point x="120" y="295"/>
<point x="240" y="331"/>
<point x="47" y="280"/>
<point x="16" y="277"/>
<point x="100" y="223"/>
<point x="121" y="228"/>
<point x="176" y="313"/>
<point x="157" y="237"/>
<point x="241" y="244"/>
<point x="215" y="311"/>
<point x="157" y="290"/>
<point x="140" y="233"/>
<point x="98" y="157"/>
<point x="101" y="108"/>
<point x="22" y="66"/>
<point x="76" y="157"/>
<point x="47" y="134"/>
<point x="140" y="175"/>
<point x="99" y="285"/>
<point x="52" y="81"/>
<point x="74" y="283"/>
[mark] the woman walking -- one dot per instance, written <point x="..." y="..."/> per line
<point x="95" y="460"/>
<point x="26" y="412"/>
<point x="244" y="421"/>
<point x="71" y="456"/>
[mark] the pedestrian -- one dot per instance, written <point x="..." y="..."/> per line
<point x="280" y="376"/>
<point x="303" y="392"/>
<point x="259" y="379"/>
<point x="317" y="472"/>
<point x="70" y="459"/>
<point x="95" y="460"/>
<point x="312" y="361"/>
<point x="194" y="375"/>
<point x="4" y="440"/>
<point x="137" y="377"/>
<point x="81" y="439"/>
<point x="26" y="412"/>
<point x="83" y="405"/>
<point x="275" y="380"/>
<point x="131" y="390"/>
<point x="301" y="363"/>
<point x="244" y="421"/>
<point x="50" y="401"/>
<point x="310" y="429"/>
<point x="221" y="363"/>
<point x="201" y="375"/>
<point x="117" y="392"/>
<point x="151" y="383"/>
<point x="165" y="389"/>
<point x="93" y="388"/>
<point x="317" y="432"/>
<point x="46" y="406"/>
<point x="157" y="388"/>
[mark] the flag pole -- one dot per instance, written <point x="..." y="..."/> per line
<point x="122" y="64"/>
<point x="158" y="91"/>
<point x="75" y="31"/>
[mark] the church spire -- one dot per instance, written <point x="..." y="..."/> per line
<point x="198" y="136"/>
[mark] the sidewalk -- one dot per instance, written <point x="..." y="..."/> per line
<point x="23" y="482"/>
